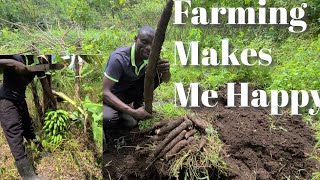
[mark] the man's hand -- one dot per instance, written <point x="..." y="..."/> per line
<point x="163" y="66"/>
<point x="141" y="113"/>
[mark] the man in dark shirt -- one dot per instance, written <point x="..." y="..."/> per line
<point x="14" y="116"/>
<point x="123" y="81"/>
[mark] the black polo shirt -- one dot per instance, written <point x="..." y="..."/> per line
<point x="129" y="79"/>
<point x="14" y="85"/>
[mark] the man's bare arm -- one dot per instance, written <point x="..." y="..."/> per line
<point x="16" y="65"/>
<point x="110" y="99"/>
<point x="46" y="88"/>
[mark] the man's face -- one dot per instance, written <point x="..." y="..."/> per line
<point x="143" y="44"/>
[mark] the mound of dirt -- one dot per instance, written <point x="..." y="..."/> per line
<point x="257" y="146"/>
<point x="126" y="158"/>
<point x="260" y="146"/>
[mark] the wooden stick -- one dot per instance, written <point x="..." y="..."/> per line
<point x="155" y="55"/>
<point x="37" y="102"/>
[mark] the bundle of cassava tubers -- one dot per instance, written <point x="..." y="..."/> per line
<point x="176" y="135"/>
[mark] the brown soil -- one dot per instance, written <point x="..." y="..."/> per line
<point x="254" y="149"/>
<point x="125" y="160"/>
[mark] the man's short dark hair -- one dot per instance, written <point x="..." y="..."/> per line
<point x="148" y="29"/>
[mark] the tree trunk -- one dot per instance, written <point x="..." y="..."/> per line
<point x="77" y="78"/>
<point x="37" y="101"/>
<point x="47" y="104"/>
<point x="155" y="55"/>
<point x="77" y="70"/>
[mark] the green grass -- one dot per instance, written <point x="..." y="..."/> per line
<point x="169" y="110"/>
<point x="71" y="161"/>
<point x="7" y="167"/>
<point x="316" y="176"/>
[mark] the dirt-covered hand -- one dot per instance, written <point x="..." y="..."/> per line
<point x="20" y="68"/>
<point x="141" y="113"/>
<point x="163" y="66"/>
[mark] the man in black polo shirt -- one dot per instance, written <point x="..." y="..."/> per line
<point x="14" y="116"/>
<point x="123" y="82"/>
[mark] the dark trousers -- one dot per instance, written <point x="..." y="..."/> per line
<point x="113" y="118"/>
<point x="110" y="117"/>
<point x="16" y="124"/>
<point x="115" y="123"/>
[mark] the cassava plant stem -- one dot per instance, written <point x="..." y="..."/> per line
<point x="155" y="55"/>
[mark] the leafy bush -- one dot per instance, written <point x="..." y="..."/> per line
<point x="302" y="66"/>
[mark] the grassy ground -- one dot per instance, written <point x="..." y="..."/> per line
<point x="7" y="167"/>
<point x="72" y="161"/>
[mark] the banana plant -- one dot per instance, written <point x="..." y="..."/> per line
<point x="55" y="126"/>
<point x="88" y="110"/>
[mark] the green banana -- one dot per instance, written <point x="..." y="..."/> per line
<point x="59" y="138"/>
<point x="49" y="113"/>
<point x="51" y="125"/>
<point x="64" y="124"/>
<point x="61" y="119"/>
<point x="54" y="116"/>
<point x="45" y="126"/>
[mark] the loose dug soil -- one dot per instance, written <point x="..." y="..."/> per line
<point x="257" y="146"/>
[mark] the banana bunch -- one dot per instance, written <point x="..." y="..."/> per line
<point x="55" y="125"/>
